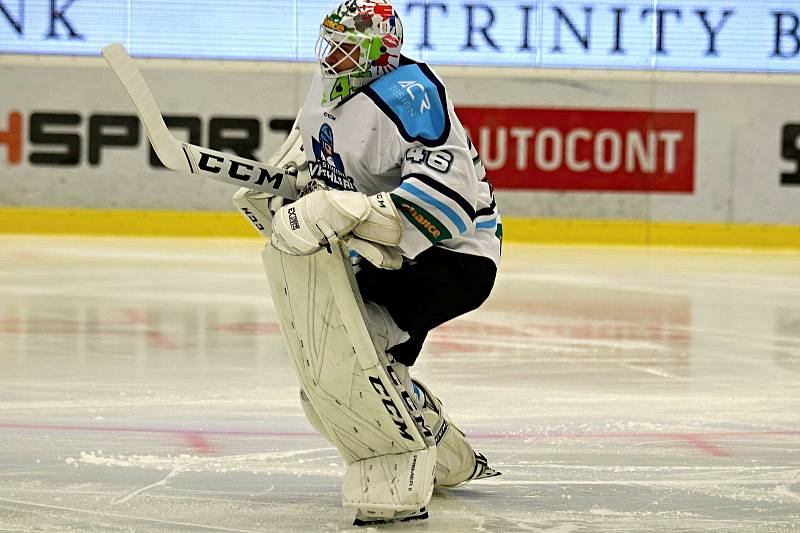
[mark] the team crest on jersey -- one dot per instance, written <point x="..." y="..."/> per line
<point x="329" y="166"/>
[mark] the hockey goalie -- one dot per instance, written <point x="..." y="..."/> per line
<point x="395" y="231"/>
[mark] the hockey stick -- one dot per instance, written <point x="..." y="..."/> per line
<point x="185" y="157"/>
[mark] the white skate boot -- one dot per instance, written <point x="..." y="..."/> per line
<point x="456" y="461"/>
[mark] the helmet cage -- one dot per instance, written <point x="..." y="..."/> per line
<point x="346" y="48"/>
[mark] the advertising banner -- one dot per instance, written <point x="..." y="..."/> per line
<point x="584" y="149"/>
<point x="708" y="35"/>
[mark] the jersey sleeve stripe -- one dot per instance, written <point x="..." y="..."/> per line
<point x="488" y="224"/>
<point x="441" y="206"/>
<point x="440" y="187"/>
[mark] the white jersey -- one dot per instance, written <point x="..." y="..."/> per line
<point x="401" y="135"/>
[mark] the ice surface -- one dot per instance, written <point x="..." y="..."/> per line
<point x="144" y="387"/>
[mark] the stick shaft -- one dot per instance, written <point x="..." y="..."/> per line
<point x="189" y="158"/>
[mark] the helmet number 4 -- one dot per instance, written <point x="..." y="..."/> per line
<point x="341" y="88"/>
<point x="439" y="161"/>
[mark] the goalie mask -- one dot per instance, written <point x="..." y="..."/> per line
<point x="359" y="41"/>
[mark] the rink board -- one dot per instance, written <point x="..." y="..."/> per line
<point x="659" y="155"/>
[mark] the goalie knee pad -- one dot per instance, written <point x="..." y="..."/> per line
<point x="456" y="461"/>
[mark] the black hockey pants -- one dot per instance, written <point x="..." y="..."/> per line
<point x="437" y="286"/>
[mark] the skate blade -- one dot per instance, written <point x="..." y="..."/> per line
<point x="482" y="468"/>
<point x="489" y="472"/>
<point x="362" y="520"/>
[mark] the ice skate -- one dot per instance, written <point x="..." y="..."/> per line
<point x="457" y="463"/>
<point x="482" y="468"/>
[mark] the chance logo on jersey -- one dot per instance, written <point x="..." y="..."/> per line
<point x="425" y="222"/>
<point x="328" y="165"/>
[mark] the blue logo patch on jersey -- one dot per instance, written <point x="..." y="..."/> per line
<point x="328" y="166"/>
<point x="414" y="99"/>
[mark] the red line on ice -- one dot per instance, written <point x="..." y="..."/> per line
<point x="186" y="432"/>
<point x="198" y="442"/>
<point x="196" y="438"/>
<point x="135" y="316"/>
<point x="704" y="446"/>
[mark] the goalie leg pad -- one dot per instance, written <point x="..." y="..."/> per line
<point x="386" y="486"/>
<point x="361" y="404"/>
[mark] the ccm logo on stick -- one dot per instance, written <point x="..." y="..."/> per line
<point x="237" y="170"/>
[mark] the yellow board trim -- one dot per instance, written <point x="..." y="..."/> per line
<point x="49" y="221"/>
<point x="655" y="233"/>
<point x="126" y="223"/>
